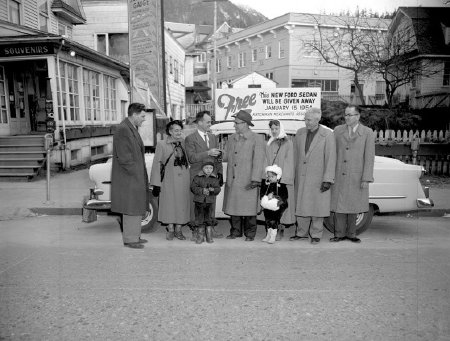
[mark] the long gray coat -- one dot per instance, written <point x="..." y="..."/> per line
<point x="282" y="155"/>
<point x="355" y="161"/>
<point x="174" y="199"/>
<point x="311" y="169"/>
<point x="129" y="179"/>
<point x="245" y="156"/>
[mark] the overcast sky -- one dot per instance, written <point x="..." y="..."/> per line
<point x="275" y="8"/>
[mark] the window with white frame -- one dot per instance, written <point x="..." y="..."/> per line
<point x="229" y="59"/>
<point x="254" y="55"/>
<point x="69" y="91"/>
<point x="268" y="51"/>
<point x="281" y="48"/>
<point x="91" y="87"/>
<point x="64" y="29"/>
<point x="114" y="45"/>
<point x="327" y="85"/>
<point x="43" y="15"/>
<point x="181" y="74"/>
<point x="446" y="78"/>
<point x="14" y="11"/>
<point x="269" y="75"/>
<point x="201" y="58"/>
<point x="170" y="64"/>
<point x="219" y="65"/>
<point x="380" y="87"/>
<point x="241" y="59"/>
<point x="109" y="87"/>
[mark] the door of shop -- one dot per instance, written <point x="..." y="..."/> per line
<point x="18" y="104"/>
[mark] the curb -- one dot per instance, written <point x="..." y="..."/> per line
<point x="56" y="210"/>
<point x="436" y="212"/>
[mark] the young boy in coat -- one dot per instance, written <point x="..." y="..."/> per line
<point x="205" y="186"/>
<point x="274" y="197"/>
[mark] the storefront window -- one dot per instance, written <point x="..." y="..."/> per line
<point x="91" y="86"/>
<point x="3" y="108"/>
<point x="69" y="92"/>
<point x="109" y="85"/>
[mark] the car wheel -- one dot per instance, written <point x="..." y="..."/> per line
<point x="148" y="222"/>
<point x="363" y="221"/>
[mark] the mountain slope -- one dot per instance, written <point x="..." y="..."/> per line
<point x="198" y="12"/>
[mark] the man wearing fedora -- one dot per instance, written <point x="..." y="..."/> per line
<point x="245" y="152"/>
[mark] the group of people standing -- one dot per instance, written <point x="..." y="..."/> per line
<point x="295" y="181"/>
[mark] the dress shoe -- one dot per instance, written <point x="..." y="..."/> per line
<point x="297" y="238"/>
<point x="142" y="241"/>
<point x="337" y="239"/>
<point x="134" y="245"/>
<point x="354" y="240"/>
<point x="231" y="236"/>
<point x="169" y="235"/>
<point x="315" y="241"/>
<point x="249" y="239"/>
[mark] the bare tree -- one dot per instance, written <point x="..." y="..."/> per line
<point x="343" y="41"/>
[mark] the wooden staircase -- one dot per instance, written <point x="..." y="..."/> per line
<point x="21" y="157"/>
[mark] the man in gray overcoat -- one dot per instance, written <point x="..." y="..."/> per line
<point x="129" y="179"/>
<point x="245" y="153"/>
<point x="315" y="163"/>
<point x="355" y="144"/>
<point x="203" y="146"/>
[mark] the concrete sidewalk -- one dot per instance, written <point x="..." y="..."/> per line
<point x="67" y="190"/>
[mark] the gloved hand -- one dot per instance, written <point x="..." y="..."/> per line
<point x="156" y="190"/>
<point x="252" y="185"/>
<point x="220" y="176"/>
<point x="325" y="186"/>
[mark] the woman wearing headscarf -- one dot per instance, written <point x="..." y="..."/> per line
<point x="280" y="151"/>
<point x="172" y="184"/>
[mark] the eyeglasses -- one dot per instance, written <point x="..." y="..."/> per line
<point x="348" y="115"/>
<point x="238" y="122"/>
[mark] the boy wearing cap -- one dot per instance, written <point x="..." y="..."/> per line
<point x="274" y="197"/>
<point x="205" y="186"/>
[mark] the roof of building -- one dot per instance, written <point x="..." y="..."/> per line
<point x="429" y="25"/>
<point x="73" y="7"/>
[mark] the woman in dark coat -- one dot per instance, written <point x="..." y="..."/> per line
<point x="174" y="189"/>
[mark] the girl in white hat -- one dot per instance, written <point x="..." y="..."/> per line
<point x="274" y="197"/>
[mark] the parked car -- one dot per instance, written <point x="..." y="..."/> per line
<point x="396" y="188"/>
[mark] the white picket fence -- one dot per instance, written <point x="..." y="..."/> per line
<point x="405" y="136"/>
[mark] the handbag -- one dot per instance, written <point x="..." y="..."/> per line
<point x="162" y="169"/>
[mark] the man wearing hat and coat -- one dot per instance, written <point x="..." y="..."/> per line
<point x="203" y="146"/>
<point x="129" y="179"/>
<point x="245" y="152"/>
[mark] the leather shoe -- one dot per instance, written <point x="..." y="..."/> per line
<point x="315" y="241"/>
<point x="231" y="236"/>
<point x="142" y="241"/>
<point x="337" y="239"/>
<point x="297" y="237"/>
<point x="249" y="239"/>
<point x="134" y="245"/>
<point x="354" y="240"/>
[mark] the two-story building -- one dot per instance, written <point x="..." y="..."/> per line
<point x="106" y="31"/>
<point x="281" y="49"/>
<point x="48" y="81"/>
<point x="423" y="33"/>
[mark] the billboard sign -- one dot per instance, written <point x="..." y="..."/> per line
<point x="266" y="104"/>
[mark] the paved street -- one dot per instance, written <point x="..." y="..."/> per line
<point x="61" y="279"/>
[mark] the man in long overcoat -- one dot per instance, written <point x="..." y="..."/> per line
<point x="203" y="146"/>
<point x="129" y="179"/>
<point x="315" y="163"/>
<point x="245" y="152"/>
<point x="355" y="144"/>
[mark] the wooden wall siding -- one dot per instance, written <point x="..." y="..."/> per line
<point x="30" y="14"/>
<point x="3" y="11"/>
